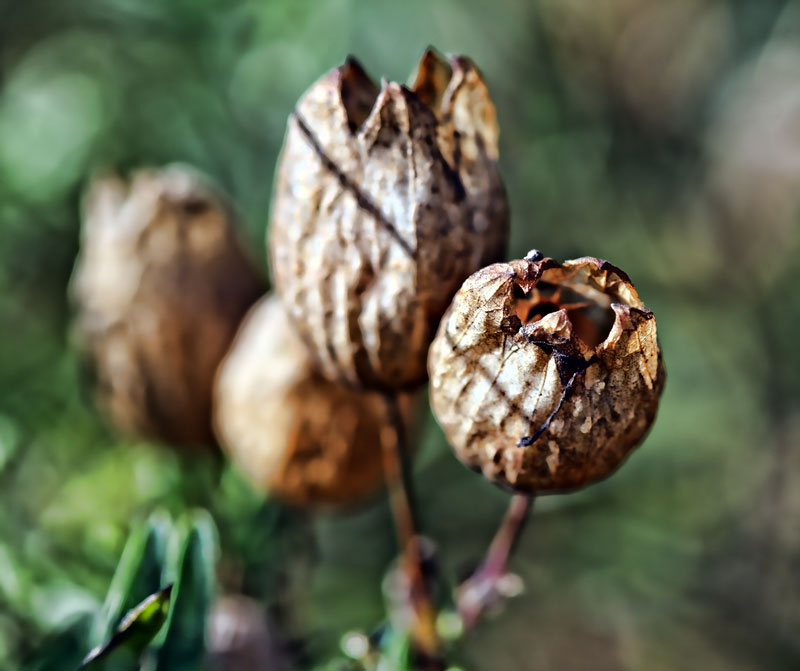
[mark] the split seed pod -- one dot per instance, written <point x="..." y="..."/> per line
<point x="160" y="286"/>
<point x="544" y="376"/>
<point x="291" y="432"/>
<point x="385" y="201"/>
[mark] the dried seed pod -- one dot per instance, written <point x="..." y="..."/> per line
<point x="544" y="376"/>
<point x="385" y="201"/>
<point x="292" y="432"/>
<point x="240" y="636"/>
<point x="160" y="286"/>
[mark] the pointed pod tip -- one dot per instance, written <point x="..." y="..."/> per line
<point x="433" y="59"/>
<point x="357" y="92"/>
<point x="432" y="77"/>
<point x="351" y="63"/>
<point x="103" y="196"/>
<point x="353" y="72"/>
<point x="461" y="62"/>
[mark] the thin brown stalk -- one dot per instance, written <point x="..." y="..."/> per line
<point x="395" y="460"/>
<point x="480" y="591"/>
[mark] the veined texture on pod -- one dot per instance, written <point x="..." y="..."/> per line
<point x="545" y="375"/>
<point x="386" y="199"/>
<point x="160" y="286"/>
<point x="291" y="432"/>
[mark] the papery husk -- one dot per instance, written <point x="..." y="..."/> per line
<point x="538" y="407"/>
<point x="160" y="286"/>
<point x="385" y="200"/>
<point x="291" y="432"/>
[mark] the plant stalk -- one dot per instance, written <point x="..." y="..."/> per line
<point x="397" y="470"/>
<point x="480" y="591"/>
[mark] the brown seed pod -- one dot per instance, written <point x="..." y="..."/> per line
<point x="385" y="201"/>
<point x="241" y="636"/>
<point x="160" y="286"/>
<point x="544" y="376"/>
<point x="291" y="432"/>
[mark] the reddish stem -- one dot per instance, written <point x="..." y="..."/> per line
<point x="479" y="591"/>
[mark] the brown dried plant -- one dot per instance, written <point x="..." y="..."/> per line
<point x="160" y="286"/>
<point x="385" y="200"/>
<point x="544" y="375"/>
<point x="291" y="432"/>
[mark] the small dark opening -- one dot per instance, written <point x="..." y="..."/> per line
<point x="539" y="310"/>
<point x="592" y="324"/>
<point x="591" y="320"/>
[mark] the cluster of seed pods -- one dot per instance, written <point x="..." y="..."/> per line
<point x="389" y="221"/>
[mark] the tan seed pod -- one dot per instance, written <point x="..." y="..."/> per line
<point x="291" y="432"/>
<point x="544" y="376"/>
<point x="385" y="201"/>
<point x="160" y="286"/>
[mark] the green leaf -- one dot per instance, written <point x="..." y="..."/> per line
<point x="133" y="635"/>
<point x="192" y="560"/>
<point x="396" y="650"/>
<point x="62" y="650"/>
<point x="138" y="574"/>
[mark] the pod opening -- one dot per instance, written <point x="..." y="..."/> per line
<point x="590" y="314"/>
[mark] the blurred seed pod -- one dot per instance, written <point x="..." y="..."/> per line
<point x="291" y="432"/>
<point x="385" y="201"/>
<point x="544" y="376"/>
<point x="160" y="286"/>
<point x="240" y="637"/>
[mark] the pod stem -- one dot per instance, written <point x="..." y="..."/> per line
<point x="397" y="470"/>
<point x="482" y="589"/>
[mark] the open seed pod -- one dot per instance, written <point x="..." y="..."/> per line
<point x="160" y="286"/>
<point x="291" y="432"/>
<point x="385" y="200"/>
<point x="544" y="376"/>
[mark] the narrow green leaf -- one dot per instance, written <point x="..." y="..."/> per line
<point x="137" y="629"/>
<point x="138" y="574"/>
<point x="194" y="567"/>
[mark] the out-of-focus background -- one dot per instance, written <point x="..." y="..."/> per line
<point x="663" y="136"/>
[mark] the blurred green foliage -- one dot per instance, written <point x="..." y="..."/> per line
<point x="662" y="136"/>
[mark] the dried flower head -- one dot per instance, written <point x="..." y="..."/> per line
<point x="160" y="286"/>
<point x="385" y="201"/>
<point x="291" y="432"/>
<point x="546" y="375"/>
